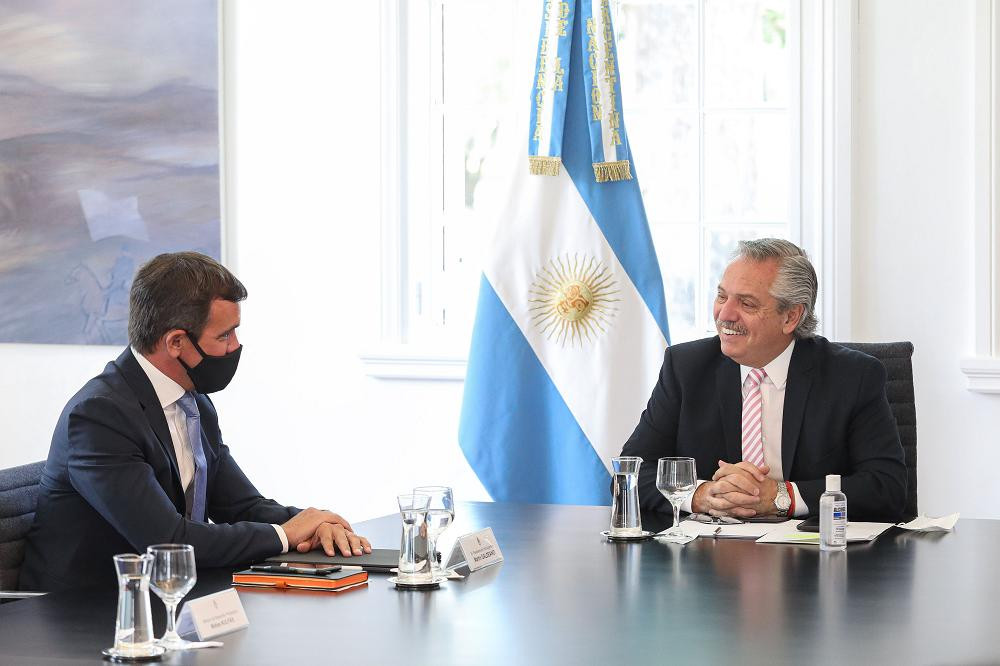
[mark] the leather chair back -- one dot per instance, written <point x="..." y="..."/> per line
<point x="896" y="357"/>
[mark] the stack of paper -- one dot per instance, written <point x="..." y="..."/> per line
<point x="738" y="531"/>
<point x="856" y="532"/>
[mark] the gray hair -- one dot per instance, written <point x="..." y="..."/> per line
<point x="796" y="283"/>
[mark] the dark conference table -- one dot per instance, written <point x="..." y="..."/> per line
<point x="565" y="596"/>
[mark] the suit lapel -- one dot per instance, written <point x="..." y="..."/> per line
<point x="730" y="397"/>
<point x="800" y="377"/>
<point x="143" y="389"/>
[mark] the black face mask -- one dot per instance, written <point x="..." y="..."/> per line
<point x="214" y="372"/>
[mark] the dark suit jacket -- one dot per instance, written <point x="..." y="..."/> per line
<point x="836" y="420"/>
<point x="111" y="485"/>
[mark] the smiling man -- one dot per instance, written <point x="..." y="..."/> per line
<point x="767" y="408"/>
<point x="137" y="457"/>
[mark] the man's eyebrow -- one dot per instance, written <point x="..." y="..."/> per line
<point x="230" y="330"/>
<point x="745" y="296"/>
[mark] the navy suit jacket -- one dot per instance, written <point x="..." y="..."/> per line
<point x="111" y="485"/>
<point x="836" y="420"/>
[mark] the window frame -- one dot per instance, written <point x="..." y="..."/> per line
<point x="820" y="208"/>
<point x="982" y="369"/>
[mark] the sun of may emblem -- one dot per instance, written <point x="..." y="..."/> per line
<point x="573" y="300"/>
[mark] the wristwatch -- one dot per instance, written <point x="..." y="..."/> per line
<point x="782" y="502"/>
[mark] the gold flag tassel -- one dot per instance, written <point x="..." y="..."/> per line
<point x="542" y="165"/>
<point x="605" y="171"/>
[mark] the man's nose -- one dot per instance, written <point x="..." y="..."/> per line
<point x="728" y="311"/>
<point x="234" y="342"/>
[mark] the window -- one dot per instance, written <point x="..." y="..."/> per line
<point x="729" y="121"/>
<point x="709" y="101"/>
<point x="463" y="65"/>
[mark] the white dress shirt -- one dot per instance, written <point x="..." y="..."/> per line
<point x="168" y="392"/>
<point x="772" y="391"/>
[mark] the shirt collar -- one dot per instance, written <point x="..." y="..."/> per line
<point x="777" y="370"/>
<point x="167" y="390"/>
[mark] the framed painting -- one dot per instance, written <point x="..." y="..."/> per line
<point x="109" y="155"/>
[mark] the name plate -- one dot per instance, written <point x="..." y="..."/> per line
<point x="213" y="615"/>
<point x="476" y="550"/>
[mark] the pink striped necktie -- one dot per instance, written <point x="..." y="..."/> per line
<point x="753" y="410"/>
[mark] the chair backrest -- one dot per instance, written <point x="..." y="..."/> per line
<point x="896" y="357"/>
<point x="18" y="497"/>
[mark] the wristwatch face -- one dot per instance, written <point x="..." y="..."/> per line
<point x="782" y="501"/>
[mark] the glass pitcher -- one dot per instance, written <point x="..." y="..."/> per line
<point x="134" y="621"/>
<point x="414" y="562"/>
<point x="625" y="519"/>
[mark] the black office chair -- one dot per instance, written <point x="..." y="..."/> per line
<point x="18" y="498"/>
<point x="896" y="357"/>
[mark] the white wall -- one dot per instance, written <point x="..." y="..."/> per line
<point x="302" y="100"/>
<point x="302" y="164"/>
<point x="912" y="234"/>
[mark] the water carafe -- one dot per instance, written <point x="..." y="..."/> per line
<point x="625" y="519"/>
<point x="414" y="562"/>
<point x="134" y="620"/>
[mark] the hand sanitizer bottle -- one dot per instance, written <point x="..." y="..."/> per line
<point x="833" y="516"/>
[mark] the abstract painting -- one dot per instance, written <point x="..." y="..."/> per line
<point x="109" y="155"/>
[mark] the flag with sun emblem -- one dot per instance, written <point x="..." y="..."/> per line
<point x="571" y="323"/>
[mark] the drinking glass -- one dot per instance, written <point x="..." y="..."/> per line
<point x="626" y="520"/>
<point x="676" y="479"/>
<point x="134" y="620"/>
<point x="173" y="576"/>
<point x="440" y="514"/>
<point x="414" y="564"/>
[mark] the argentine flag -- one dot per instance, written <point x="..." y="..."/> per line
<point x="571" y="323"/>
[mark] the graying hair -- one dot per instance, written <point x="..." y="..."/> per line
<point x="796" y="283"/>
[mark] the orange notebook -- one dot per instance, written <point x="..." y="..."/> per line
<point x="333" y="582"/>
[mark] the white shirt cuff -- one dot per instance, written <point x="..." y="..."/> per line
<point x="800" y="504"/>
<point x="282" y="536"/>
<point x="686" y="506"/>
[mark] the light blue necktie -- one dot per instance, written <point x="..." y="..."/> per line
<point x="190" y="408"/>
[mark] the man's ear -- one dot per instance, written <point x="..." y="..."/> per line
<point x="173" y="341"/>
<point x="793" y="316"/>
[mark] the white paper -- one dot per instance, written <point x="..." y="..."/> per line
<point x="856" y="532"/>
<point x="927" y="524"/>
<point x="739" y="531"/>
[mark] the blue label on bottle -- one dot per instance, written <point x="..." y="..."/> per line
<point x="839" y="514"/>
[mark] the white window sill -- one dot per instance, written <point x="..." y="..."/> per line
<point x="402" y="363"/>
<point x="983" y="374"/>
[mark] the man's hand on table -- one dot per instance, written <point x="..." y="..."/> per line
<point x="741" y="490"/>
<point x="329" y="535"/>
<point x="312" y="528"/>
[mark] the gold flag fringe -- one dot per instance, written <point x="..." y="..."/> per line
<point x="541" y="165"/>
<point x="605" y="171"/>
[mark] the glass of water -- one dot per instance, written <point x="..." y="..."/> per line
<point x="440" y="514"/>
<point x="173" y="576"/>
<point x="676" y="480"/>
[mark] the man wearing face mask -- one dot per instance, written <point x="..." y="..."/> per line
<point x="137" y="457"/>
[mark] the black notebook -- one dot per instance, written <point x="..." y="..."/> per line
<point x="380" y="559"/>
